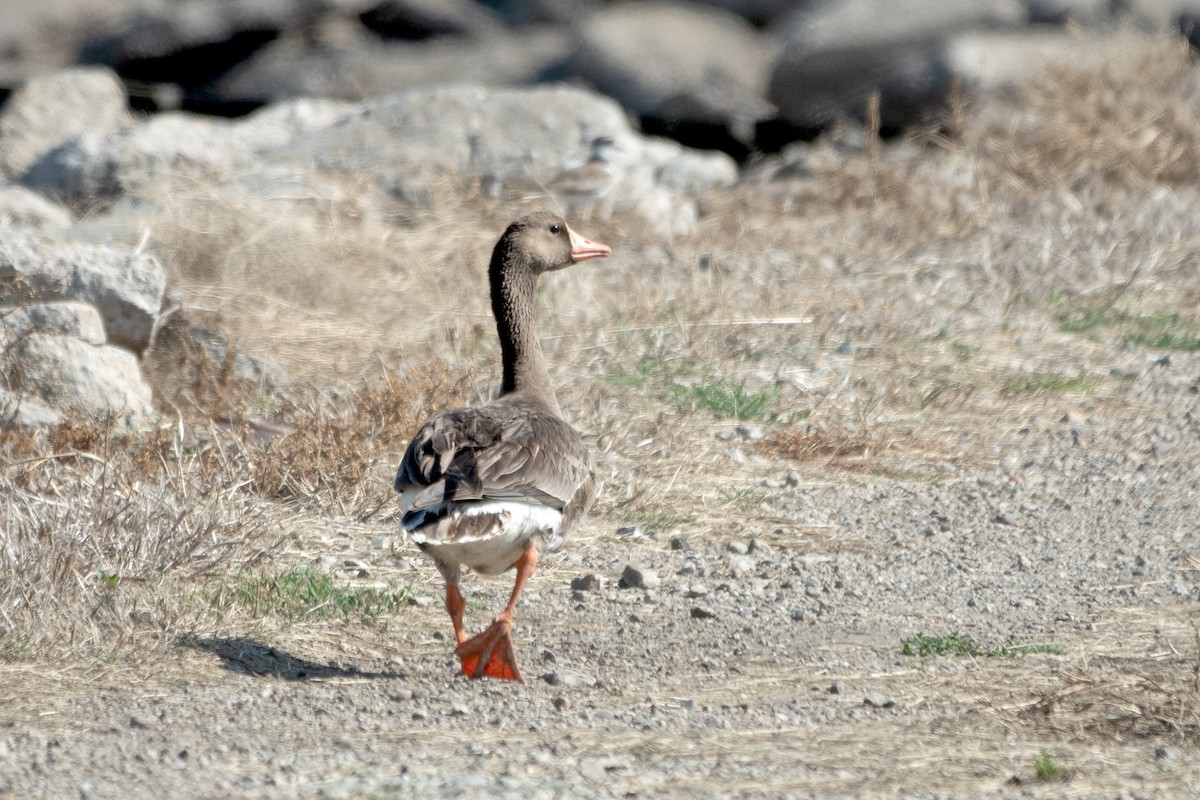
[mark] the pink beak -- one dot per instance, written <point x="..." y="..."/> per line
<point x="582" y="249"/>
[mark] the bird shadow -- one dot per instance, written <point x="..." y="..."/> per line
<point x="248" y="657"/>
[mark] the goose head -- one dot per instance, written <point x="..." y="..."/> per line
<point x="543" y="242"/>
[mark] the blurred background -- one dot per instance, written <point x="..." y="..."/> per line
<point x="738" y="76"/>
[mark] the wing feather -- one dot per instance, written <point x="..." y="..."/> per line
<point x="503" y="451"/>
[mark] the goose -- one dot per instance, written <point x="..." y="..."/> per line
<point x="490" y="487"/>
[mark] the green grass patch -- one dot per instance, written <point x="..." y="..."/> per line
<point x="1047" y="769"/>
<point x="726" y="399"/>
<point x="959" y="644"/>
<point x="1048" y="383"/>
<point x="1165" y="331"/>
<point x="304" y="593"/>
<point x="963" y="352"/>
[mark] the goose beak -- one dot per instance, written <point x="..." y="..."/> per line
<point x="582" y="249"/>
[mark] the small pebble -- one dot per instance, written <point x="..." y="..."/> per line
<point x="798" y="614"/>
<point x="1005" y="518"/>
<point x="681" y="543"/>
<point x="878" y="700"/>
<point x="569" y="679"/>
<point x="703" y="612"/>
<point x="749" y="433"/>
<point x="638" y="578"/>
<point x="697" y="590"/>
<point x="736" y="547"/>
<point x="588" y="583"/>
<point x="837" y="687"/>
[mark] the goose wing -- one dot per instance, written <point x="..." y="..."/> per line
<point x="498" y="452"/>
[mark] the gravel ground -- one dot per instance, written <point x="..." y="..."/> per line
<point x="761" y="658"/>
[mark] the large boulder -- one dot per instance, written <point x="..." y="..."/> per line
<point x="21" y="208"/>
<point x="837" y="55"/>
<point x="54" y="361"/>
<point x="125" y="287"/>
<point x="55" y="109"/>
<point x="69" y="375"/>
<point x="678" y="62"/>
<point x="361" y="66"/>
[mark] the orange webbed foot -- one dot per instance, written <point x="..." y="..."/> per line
<point x="490" y="654"/>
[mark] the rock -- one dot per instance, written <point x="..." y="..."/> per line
<point x="1006" y="518"/>
<point x="760" y="548"/>
<point x="703" y="612"/>
<point x="569" y="679"/>
<point x="634" y="531"/>
<point x="189" y="43"/>
<point x="838" y="55"/>
<point x="737" y="548"/>
<point x="681" y="543"/>
<point x="878" y="700"/>
<point x="697" y="590"/>
<point x="21" y="412"/>
<point x="749" y="433"/>
<point x="77" y="320"/>
<point x="422" y="19"/>
<point x="991" y="60"/>
<point x="638" y="578"/>
<point x="362" y="67"/>
<point x="677" y="62"/>
<point x="71" y="375"/>
<point x="126" y="288"/>
<point x="21" y="208"/>
<point x="837" y="687"/>
<point x="798" y="614"/>
<point x="588" y="583"/>
<point x="1063" y="12"/>
<point x="53" y="110"/>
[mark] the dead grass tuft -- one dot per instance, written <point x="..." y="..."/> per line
<point x="1131" y="123"/>
<point x="97" y="536"/>
<point x="333" y="444"/>
<point x="1115" y="702"/>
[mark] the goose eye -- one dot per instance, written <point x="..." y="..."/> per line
<point x="556" y="228"/>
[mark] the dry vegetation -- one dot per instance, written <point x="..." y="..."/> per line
<point x="953" y="265"/>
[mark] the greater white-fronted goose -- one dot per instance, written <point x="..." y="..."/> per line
<point x="487" y="487"/>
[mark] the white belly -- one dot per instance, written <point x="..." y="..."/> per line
<point x="515" y="526"/>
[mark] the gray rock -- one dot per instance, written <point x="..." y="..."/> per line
<point x="421" y="19"/>
<point x="569" y="679"/>
<point x="363" y="67"/>
<point x="878" y="700"/>
<point x="68" y="374"/>
<point x="736" y="547"/>
<point x="1006" y="518"/>
<point x="697" y="590"/>
<point x="703" y="612"/>
<point x="167" y="33"/>
<point x="126" y="288"/>
<point x="588" y="583"/>
<point x="837" y="687"/>
<point x="78" y="320"/>
<point x="21" y="208"/>
<point x="52" y="110"/>
<point x="839" y="54"/>
<point x="634" y="577"/>
<point x="749" y="433"/>
<point x="678" y="62"/>
<point x="21" y="412"/>
<point x="760" y="548"/>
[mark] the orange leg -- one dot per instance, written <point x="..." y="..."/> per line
<point x="455" y="604"/>
<point x="491" y="653"/>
